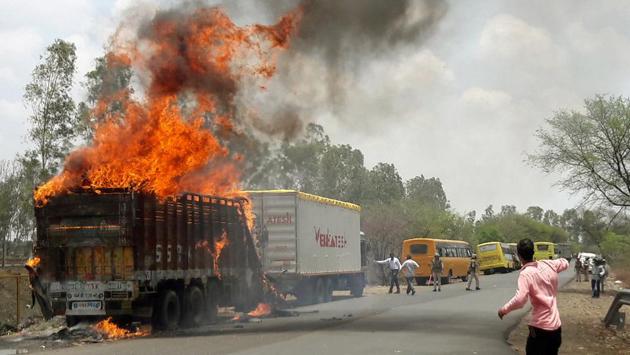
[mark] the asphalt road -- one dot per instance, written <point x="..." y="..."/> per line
<point x="453" y="321"/>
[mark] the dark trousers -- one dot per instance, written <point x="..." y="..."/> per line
<point x="409" y="285"/>
<point x="393" y="280"/>
<point x="595" y="286"/>
<point x="543" y="342"/>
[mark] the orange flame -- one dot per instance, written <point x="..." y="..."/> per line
<point x="33" y="262"/>
<point x="263" y="309"/>
<point x="175" y="138"/>
<point x="111" y="331"/>
<point x="219" y="244"/>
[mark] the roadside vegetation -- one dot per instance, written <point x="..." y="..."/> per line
<point x="590" y="149"/>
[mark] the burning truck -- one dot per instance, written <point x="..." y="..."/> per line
<point x="115" y="252"/>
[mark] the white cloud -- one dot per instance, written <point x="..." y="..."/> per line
<point x="509" y="38"/>
<point x="478" y="98"/>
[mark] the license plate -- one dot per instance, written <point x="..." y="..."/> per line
<point x="86" y="307"/>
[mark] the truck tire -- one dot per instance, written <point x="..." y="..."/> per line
<point x="212" y="301"/>
<point x="168" y="310"/>
<point x="357" y="286"/>
<point x="195" y="307"/>
<point x="320" y="290"/>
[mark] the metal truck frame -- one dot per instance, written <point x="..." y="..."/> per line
<point x="115" y="252"/>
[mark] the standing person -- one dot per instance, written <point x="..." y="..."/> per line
<point x="409" y="271"/>
<point x="538" y="281"/>
<point x="394" y="267"/>
<point x="585" y="270"/>
<point x="472" y="272"/>
<point x="578" y="270"/>
<point x="436" y="272"/>
<point x="605" y="267"/>
<point x="597" y="272"/>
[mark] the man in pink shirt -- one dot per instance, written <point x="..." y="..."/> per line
<point x="538" y="281"/>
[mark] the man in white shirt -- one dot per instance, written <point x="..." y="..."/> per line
<point x="409" y="271"/>
<point x="394" y="267"/>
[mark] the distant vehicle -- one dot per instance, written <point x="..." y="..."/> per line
<point x="455" y="255"/>
<point x="517" y="261"/>
<point x="495" y="256"/>
<point x="310" y="245"/>
<point x="544" y="250"/>
<point x="563" y="250"/>
<point x="590" y="256"/>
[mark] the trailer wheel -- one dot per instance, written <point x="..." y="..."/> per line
<point x="195" y="309"/>
<point x="169" y="310"/>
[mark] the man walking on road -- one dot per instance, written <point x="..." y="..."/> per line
<point x="409" y="271"/>
<point x="394" y="267"/>
<point x="538" y="281"/>
<point x="472" y="272"/>
<point x="436" y="272"/>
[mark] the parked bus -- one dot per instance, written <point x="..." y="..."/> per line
<point x="455" y="255"/>
<point x="544" y="250"/>
<point x="495" y="256"/>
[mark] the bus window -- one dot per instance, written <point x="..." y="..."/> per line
<point x="543" y="247"/>
<point x="488" y="247"/>
<point x="418" y="249"/>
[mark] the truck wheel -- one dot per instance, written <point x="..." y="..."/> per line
<point x="195" y="310"/>
<point x="320" y="290"/>
<point x="356" y="286"/>
<point x="169" y="310"/>
<point x="212" y="301"/>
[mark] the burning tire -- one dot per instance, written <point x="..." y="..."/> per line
<point x="195" y="306"/>
<point x="168" y="310"/>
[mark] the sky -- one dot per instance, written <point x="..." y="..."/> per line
<point x="462" y="104"/>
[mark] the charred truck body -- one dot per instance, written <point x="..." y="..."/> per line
<point x="120" y="253"/>
<point x="311" y="245"/>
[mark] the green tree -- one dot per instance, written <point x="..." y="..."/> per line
<point x="428" y="192"/>
<point x="590" y="149"/>
<point x="52" y="118"/>
<point x="551" y="218"/>
<point x="535" y="213"/>
<point x="384" y="184"/>
<point x="342" y="174"/>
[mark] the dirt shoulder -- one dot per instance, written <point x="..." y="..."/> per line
<point x="582" y="329"/>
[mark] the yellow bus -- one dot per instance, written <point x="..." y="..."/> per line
<point x="495" y="256"/>
<point x="544" y="250"/>
<point x="455" y="255"/>
<point x="517" y="261"/>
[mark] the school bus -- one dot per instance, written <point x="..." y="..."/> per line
<point x="495" y="256"/>
<point x="455" y="255"/>
<point x="544" y="250"/>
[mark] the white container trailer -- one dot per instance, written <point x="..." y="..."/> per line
<point x="309" y="245"/>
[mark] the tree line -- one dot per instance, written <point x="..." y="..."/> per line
<point x="590" y="149"/>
